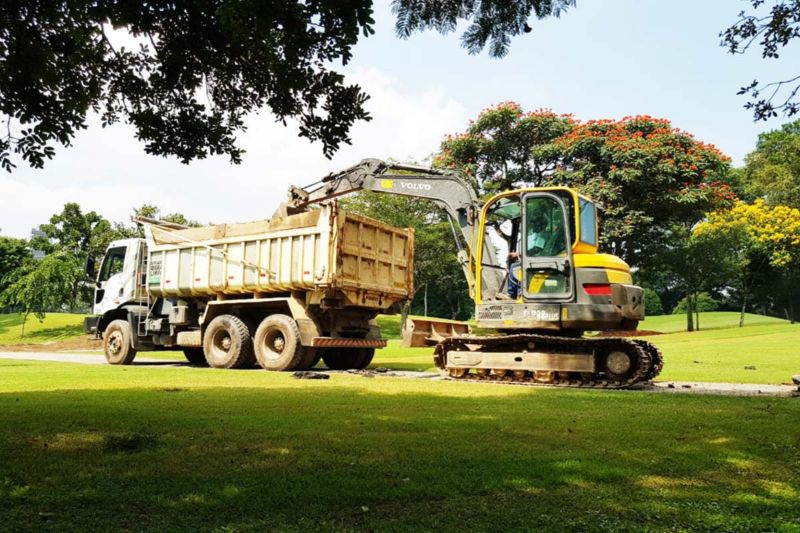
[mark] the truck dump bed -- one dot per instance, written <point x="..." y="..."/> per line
<point x="328" y="252"/>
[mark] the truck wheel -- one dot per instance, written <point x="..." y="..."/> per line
<point x="347" y="358"/>
<point x="277" y="343"/>
<point x="310" y="359"/>
<point x="195" y="356"/>
<point x="227" y="342"/>
<point x="117" y="343"/>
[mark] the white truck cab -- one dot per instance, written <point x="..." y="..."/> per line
<point x="116" y="279"/>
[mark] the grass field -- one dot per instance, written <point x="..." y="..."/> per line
<point x="146" y="448"/>
<point x="54" y="327"/>
<point x="764" y="351"/>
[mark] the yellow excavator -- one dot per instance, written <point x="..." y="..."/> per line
<point x="533" y="268"/>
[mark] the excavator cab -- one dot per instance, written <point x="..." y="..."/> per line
<point x="547" y="241"/>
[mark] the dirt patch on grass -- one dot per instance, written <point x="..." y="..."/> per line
<point x="75" y="343"/>
<point x="633" y="333"/>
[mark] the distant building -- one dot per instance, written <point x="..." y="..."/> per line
<point x="36" y="232"/>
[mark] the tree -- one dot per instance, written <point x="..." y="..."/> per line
<point x="771" y="241"/>
<point x="647" y="175"/>
<point x="652" y="303"/>
<point x="696" y="262"/>
<point x="490" y="21"/>
<point x="125" y="231"/>
<point x="76" y="235"/>
<point x="14" y="254"/>
<point x="196" y="70"/>
<point x="772" y="30"/>
<point x="703" y="303"/>
<point x="506" y="147"/>
<point x="772" y="170"/>
<point x="44" y="286"/>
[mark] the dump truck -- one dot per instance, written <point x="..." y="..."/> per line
<point x="535" y="271"/>
<point x="283" y="293"/>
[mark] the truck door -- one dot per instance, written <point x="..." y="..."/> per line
<point x="116" y="280"/>
<point x="547" y="272"/>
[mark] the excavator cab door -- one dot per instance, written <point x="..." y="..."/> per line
<point x="547" y="272"/>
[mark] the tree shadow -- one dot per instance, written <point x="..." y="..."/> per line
<point x="334" y="457"/>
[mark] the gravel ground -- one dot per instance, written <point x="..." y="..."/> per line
<point x="667" y="387"/>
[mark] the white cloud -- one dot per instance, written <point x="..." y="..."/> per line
<point x="107" y="170"/>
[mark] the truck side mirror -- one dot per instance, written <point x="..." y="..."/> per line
<point x="89" y="268"/>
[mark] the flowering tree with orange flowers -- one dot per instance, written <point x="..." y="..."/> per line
<point x="649" y="177"/>
<point x="506" y="147"/>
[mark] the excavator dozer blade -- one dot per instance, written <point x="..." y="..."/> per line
<point x="427" y="331"/>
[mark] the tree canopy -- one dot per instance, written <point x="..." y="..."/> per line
<point x="772" y="170"/>
<point x="196" y="70"/>
<point x="647" y="174"/>
<point x="771" y="29"/>
<point x="489" y="21"/>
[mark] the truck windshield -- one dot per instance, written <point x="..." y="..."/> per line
<point x="112" y="263"/>
<point x="544" y="232"/>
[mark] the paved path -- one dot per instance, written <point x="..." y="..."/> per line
<point x="85" y="359"/>
<point x="667" y="387"/>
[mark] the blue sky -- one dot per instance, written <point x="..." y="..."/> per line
<point x="603" y="59"/>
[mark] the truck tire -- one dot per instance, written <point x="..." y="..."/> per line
<point x="227" y="342"/>
<point x="347" y="358"/>
<point x="117" y="343"/>
<point x="310" y="359"/>
<point x="195" y="356"/>
<point x="277" y="343"/>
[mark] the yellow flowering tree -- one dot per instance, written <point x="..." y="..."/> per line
<point x="758" y="237"/>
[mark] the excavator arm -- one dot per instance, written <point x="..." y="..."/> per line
<point x="446" y="188"/>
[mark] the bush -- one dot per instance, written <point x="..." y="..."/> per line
<point x="704" y="302"/>
<point x="652" y="303"/>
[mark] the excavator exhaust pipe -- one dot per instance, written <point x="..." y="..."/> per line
<point x="427" y="331"/>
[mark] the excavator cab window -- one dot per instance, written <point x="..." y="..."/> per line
<point x="546" y="247"/>
<point x="545" y="235"/>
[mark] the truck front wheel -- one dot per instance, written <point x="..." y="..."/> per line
<point x="277" y="343"/>
<point x="117" y="343"/>
<point x="227" y="342"/>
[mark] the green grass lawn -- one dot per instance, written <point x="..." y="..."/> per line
<point x="720" y="352"/>
<point x="102" y="447"/>
<point x="711" y="320"/>
<point x="54" y="327"/>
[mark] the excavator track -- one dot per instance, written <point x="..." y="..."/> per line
<point x="645" y="359"/>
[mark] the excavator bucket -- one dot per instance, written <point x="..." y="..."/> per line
<point x="427" y="331"/>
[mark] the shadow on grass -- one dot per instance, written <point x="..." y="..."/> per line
<point x="337" y="458"/>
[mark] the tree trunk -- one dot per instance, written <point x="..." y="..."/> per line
<point x="791" y="311"/>
<point x="404" y="312"/>
<point x="744" y="307"/>
<point x="24" y="320"/>
<point x="689" y="310"/>
<point x="697" y="318"/>
<point x="425" y="301"/>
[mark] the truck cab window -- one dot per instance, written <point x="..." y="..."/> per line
<point x="112" y="263"/>
<point x="544" y="233"/>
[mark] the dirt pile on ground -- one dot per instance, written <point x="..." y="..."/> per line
<point x="75" y="343"/>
